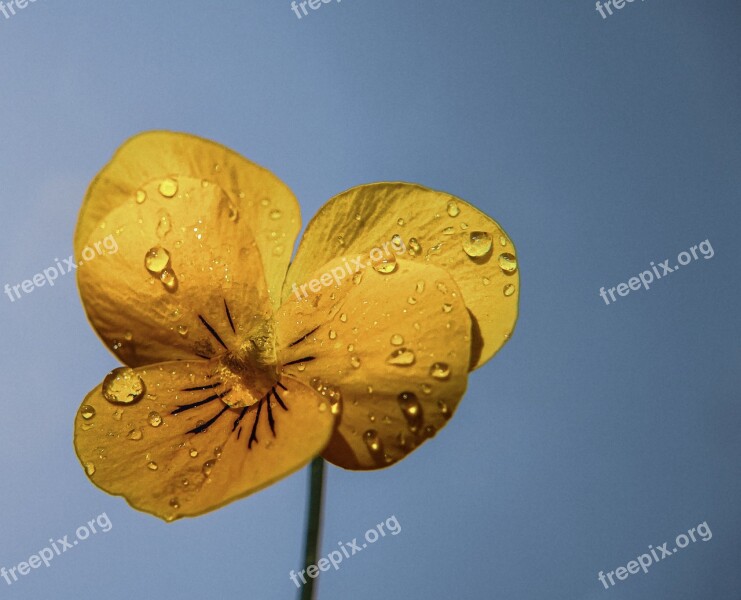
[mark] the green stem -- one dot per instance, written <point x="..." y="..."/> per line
<point x="314" y="524"/>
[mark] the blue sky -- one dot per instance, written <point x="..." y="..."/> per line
<point x="599" y="144"/>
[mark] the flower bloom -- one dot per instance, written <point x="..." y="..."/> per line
<point x="232" y="381"/>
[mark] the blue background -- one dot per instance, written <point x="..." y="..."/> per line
<point x="599" y="144"/>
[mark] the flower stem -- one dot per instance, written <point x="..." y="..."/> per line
<point x="314" y="524"/>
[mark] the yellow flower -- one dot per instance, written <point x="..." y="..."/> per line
<point x="240" y="370"/>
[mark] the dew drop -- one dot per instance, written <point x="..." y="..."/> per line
<point x="164" y="226"/>
<point x="373" y="442"/>
<point x="350" y="347"/>
<point x="414" y="247"/>
<point x="386" y="265"/>
<point x="87" y="412"/>
<point x="400" y="222"/>
<point x="156" y="260"/>
<point x="411" y="409"/>
<point x="357" y="278"/>
<point x="275" y="214"/>
<point x="155" y="420"/>
<point x="183" y="330"/>
<point x="426" y="388"/>
<point x="447" y="307"/>
<point x="152" y="466"/>
<point x="123" y="386"/>
<point x="332" y="334"/>
<point x="169" y="280"/>
<point x="420" y="287"/>
<point x="355" y="362"/>
<point x="193" y="453"/>
<point x="402" y="357"/>
<point x="117" y="414"/>
<point x="440" y="370"/>
<point x="502" y="240"/>
<point x="174" y="503"/>
<point x="168" y="187"/>
<point x="397" y="241"/>
<point x="218" y="452"/>
<point x="509" y="289"/>
<point x="397" y="340"/>
<point x="90" y="468"/>
<point x="128" y="336"/>
<point x="141" y="196"/>
<point x="135" y="435"/>
<point x="508" y="263"/>
<point x="477" y="244"/>
<point x="486" y="281"/>
<point x="412" y="300"/>
<point x="453" y="209"/>
<point x="449" y="231"/>
<point x="208" y="467"/>
<point x="343" y="317"/>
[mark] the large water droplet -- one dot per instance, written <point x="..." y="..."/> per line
<point x="156" y="260"/>
<point x="155" y="420"/>
<point x="168" y="187"/>
<point x="87" y="412"/>
<point x="386" y="265"/>
<point x="508" y="263"/>
<point x="123" y="386"/>
<point x="509" y="289"/>
<point x="440" y="370"/>
<point x="477" y="244"/>
<point x="402" y="357"/>
<point x="453" y="209"/>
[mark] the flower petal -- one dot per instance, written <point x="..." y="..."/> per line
<point x="435" y="228"/>
<point x="177" y="450"/>
<point x="185" y="281"/>
<point x="389" y="351"/>
<point x="263" y="201"/>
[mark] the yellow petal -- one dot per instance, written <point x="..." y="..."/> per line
<point x="185" y="281"/>
<point x="389" y="349"/>
<point x="163" y="437"/>
<point x="146" y="160"/>
<point x="435" y="228"/>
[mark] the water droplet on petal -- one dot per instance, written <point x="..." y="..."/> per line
<point x="411" y="409"/>
<point x="193" y="453"/>
<point x="440" y="370"/>
<point x="141" y="196"/>
<point x="508" y="263"/>
<point x="152" y="466"/>
<point x="169" y="280"/>
<point x="502" y="240"/>
<point x="414" y="247"/>
<point x="355" y="362"/>
<point x="486" y="281"/>
<point x="183" y="330"/>
<point x="155" y="420"/>
<point x="174" y="503"/>
<point x="397" y="340"/>
<point x="343" y="318"/>
<point x="375" y="446"/>
<point x="135" y="435"/>
<point x="275" y="214"/>
<point x="385" y="265"/>
<point x="218" y="451"/>
<point x="444" y="409"/>
<point x="509" y="289"/>
<point x="87" y="412"/>
<point x="453" y="209"/>
<point x="426" y="388"/>
<point x="447" y="307"/>
<point x="449" y="231"/>
<point x="168" y="187"/>
<point x="412" y="300"/>
<point x="208" y="467"/>
<point x="123" y="386"/>
<point x="400" y="222"/>
<point x="332" y="334"/>
<point x="90" y="468"/>
<point x="156" y="260"/>
<point x="402" y="357"/>
<point x="117" y="414"/>
<point x="164" y="226"/>
<point x="357" y="278"/>
<point x="477" y="244"/>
